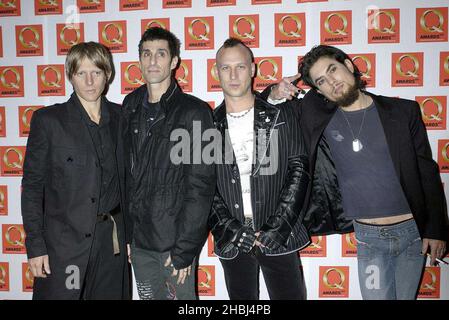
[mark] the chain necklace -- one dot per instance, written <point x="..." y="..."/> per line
<point x="356" y="143"/>
<point x="241" y="115"/>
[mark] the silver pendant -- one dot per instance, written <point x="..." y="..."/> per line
<point x="357" y="145"/>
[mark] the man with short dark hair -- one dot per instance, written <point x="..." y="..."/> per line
<point x="372" y="166"/>
<point x="256" y="217"/>
<point x="73" y="188"/>
<point x="169" y="201"/>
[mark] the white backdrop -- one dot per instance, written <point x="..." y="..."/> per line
<point x="40" y="48"/>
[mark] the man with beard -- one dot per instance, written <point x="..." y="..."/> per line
<point x="372" y="166"/>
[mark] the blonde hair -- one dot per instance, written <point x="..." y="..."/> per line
<point x="95" y="52"/>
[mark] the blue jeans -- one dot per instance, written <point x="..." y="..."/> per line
<point x="389" y="259"/>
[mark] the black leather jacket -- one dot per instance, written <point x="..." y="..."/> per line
<point x="169" y="203"/>
<point x="277" y="197"/>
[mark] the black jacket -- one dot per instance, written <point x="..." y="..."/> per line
<point x="412" y="159"/>
<point x="277" y="195"/>
<point x="168" y="202"/>
<point x="61" y="188"/>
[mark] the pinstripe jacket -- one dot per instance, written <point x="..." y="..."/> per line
<point x="279" y="182"/>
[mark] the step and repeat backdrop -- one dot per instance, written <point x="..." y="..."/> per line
<point x="400" y="46"/>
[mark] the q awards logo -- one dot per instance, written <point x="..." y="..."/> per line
<point x="199" y="33"/>
<point x="13" y="239"/>
<point x="167" y="4"/>
<point x="334" y="282"/>
<point x="213" y="83"/>
<point x="220" y="3"/>
<point x="433" y="110"/>
<point x="163" y="23"/>
<point x="290" y="29"/>
<point x="336" y="27"/>
<point x="112" y="34"/>
<point x="2" y="122"/>
<point x="12" y="160"/>
<point x="27" y="278"/>
<point x="245" y="28"/>
<point x="443" y="155"/>
<point x="9" y="8"/>
<point x="444" y="68"/>
<point x="25" y="114"/>
<point x="88" y="6"/>
<point x="206" y="280"/>
<point x="317" y="247"/>
<point x="4" y="276"/>
<point x="68" y="35"/>
<point x="383" y="26"/>
<point x="430" y="283"/>
<point x="366" y="63"/>
<point x="11" y="82"/>
<point x="51" y="80"/>
<point x="131" y="76"/>
<point x="29" y="40"/>
<point x="3" y="200"/>
<point x="184" y="75"/>
<point x="431" y="24"/>
<point x="129" y="5"/>
<point x="407" y="69"/>
<point x="268" y="71"/>
<point x="44" y="7"/>
<point x="348" y="245"/>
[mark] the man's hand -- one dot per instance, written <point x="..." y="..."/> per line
<point x="437" y="249"/>
<point x="182" y="273"/>
<point x="245" y="239"/>
<point x="285" y="89"/>
<point x="265" y="241"/>
<point x="39" y="266"/>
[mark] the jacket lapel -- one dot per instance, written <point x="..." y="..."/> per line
<point x="265" y="118"/>
<point x="221" y="123"/>
<point x="113" y="123"/>
<point x="76" y="125"/>
<point x="390" y="125"/>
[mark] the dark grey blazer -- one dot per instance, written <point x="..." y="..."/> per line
<point x="60" y="195"/>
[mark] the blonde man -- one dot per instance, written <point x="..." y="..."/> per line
<point x="73" y="188"/>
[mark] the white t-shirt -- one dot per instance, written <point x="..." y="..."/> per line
<point x="241" y="132"/>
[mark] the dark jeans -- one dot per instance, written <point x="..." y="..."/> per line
<point x="282" y="274"/>
<point x="155" y="281"/>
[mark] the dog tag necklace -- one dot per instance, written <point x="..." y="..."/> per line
<point x="356" y="143"/>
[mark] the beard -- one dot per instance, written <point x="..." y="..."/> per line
<point x="349" y="97"/>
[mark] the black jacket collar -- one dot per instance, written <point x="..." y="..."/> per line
<point x="264" y="113"/>
<point x="265" y="118"/>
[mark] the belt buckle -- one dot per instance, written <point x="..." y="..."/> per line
<point x="249" y="222"/>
